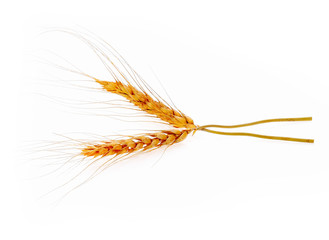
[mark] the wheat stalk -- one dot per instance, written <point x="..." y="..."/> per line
<point x="151" y="141"/>
<point x="154" y="105"/>
<point x="127" y="83"/>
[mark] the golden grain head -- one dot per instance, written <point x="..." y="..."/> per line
<point x="147" y="104"/>
<point x="149" y="141"/>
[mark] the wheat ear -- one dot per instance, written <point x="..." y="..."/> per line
<point x="147" y="104"/>
<point x="134" y="144"/>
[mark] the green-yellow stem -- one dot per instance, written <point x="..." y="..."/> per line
<point x="258" y="122"/>
<point x="205" y="128"/>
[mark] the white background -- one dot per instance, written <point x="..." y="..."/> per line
<point x="222" y="62"/>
